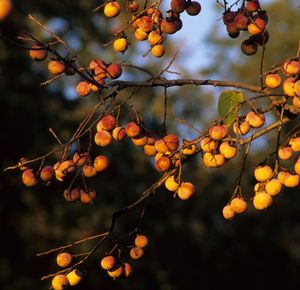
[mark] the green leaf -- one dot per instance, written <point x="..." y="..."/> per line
<point x="227" y="102"/>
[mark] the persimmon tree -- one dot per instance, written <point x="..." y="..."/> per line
<point x="243" y="109"/>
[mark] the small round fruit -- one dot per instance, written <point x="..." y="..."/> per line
<point x="262" y="200"/>
<point x="80" y="159"/>
<point x="145" y="23"/>
<point x="163" y="164"/>
<point x="60" y="282"/>
<point x="101" y="163"/>
<point x="178" y="6"/>
<point x="228" y="212"/>
<point x="186" y="190"/>
<point x="120" y="44"/>
<point x="171" y="184"/>
<point x="241" y="129"/>
<point x="238" y="205"/>
<point x="150" y="150"/>
<point x="285" y="153"/>
<point x="116" y="272"/>
<point x="249" y="47"/>
<point x="73" y="195"/>
<point x="263" y="173"/>
<point x="88" y="170"/>
<point x="295" y="144"/>
<point x="119" y="133"/>
<point x="64" y="259"/>
<point x="28" y="177"/>
<point x="189" y="150"/>
<point x="132" y="129"/>
<point x="136" y="253"/>
<point x="140" y="34"/>
<point x="158" y="50"/>
<point x="218" y="132"/>
<point x="108" y="262"/>
<point x="38" y="53"/>
<point x="227" y="150"/>
<point x="208" y="145"/>
<point x="112" y="9"/>
<point x="56" y="67"/>
<point x="5" y="8"/>
<point x="74" y="277"/>
<point x="193" y="8"/>
<point x="297" y="167"/>
<point x="47" y="173"/>
<point x="273" y="81"/>
<point x="103" y="138"/>
<point x="107" y="123"/>
<point x="85" y="197"/>
<point x="114" y="71"/>
<point x="289" y="87"/>
<point x="127" y="269"/>
<point x="141" y="241"/>
<point x="140" y="141"/>
<point x="255" y="120"/>
<point x="292" y="180"/>
<point x="273" y="187"/>
<point x="154" y="38"/>
<point x="256" y="27"/>
<point x="83" y="89"/>
<point x="291" y="67"/>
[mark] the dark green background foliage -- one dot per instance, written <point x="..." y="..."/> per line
<point x="191" y="245"/>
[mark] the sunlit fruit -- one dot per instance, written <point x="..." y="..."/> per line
<point x="262" y="200"/>
<point x="5" y="8"/>
<point x="115" y="272"/>
<point x="127" y="269"/>
<point x="80" y="159"/>
<point x="107" y="123"/>
<point x="238" y="205"/>
<point x="273" y="187"/>
<point x="56" y="67"/>
<point x="141" y="241"/>
<point x="157" y="50"/>
<point x="114" y="71"/>
<point x="103" y="138"/>
<point x="140" y="34"/>
<point x="228" y="212"/>
<point x="285" y="153"/>
<point x="120" y="44"/>
<point x="86" y="197"/>
<point x="101" y="163"/>
<point x="29" y="178"/>
<point x="297" y="90"/>
<point x="213" y="160"/>
<point x="252" y="6"/>
<point x="193" y="8"/>
<point x="208" y="145"/>
<point x="241" y="21"/>
<point x="291" y="180"/>
<point x="256" y="27"/>
<point x="241" y="128"/>
<point x="63" y="259"/>
<point x="169" y="26"/>
<point x="47" y="173"/>
<point x="136" y="253"/>
<point x="255" y="120"/>
<point x="163" y="164"/>
<point x="145" y="23"/>
<point x="218" y="132"/>
<point x="88" y="170"/>
<point x="263" y="173"/>
<point x="132" y="129"/>
<point x="112" y="9"/>
<point x="189" y="150"/>
<point x="154" y="37"/>
<point x="108" y="262"/>
<point x="60" y="282"/>
<point x="38" y="53"/>
<point x="185" y="190"/>
<point x="288" y="86"/>
<point x="227" y="150"/>
<point x="273" y="81"/>
<point x="282" y="175"/>
<point x="150" y="150"/>
<point x="83" y="89"/>
<point x="295" y="144"/>
<point x="171" y="184"/>
<point x="74" y="277"/>
<point x="291" y="67"/>
<point x="297" y="167"/>
<point x="119" y="133"/>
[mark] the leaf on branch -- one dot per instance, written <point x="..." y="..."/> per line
<point x="228" y="100"/>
